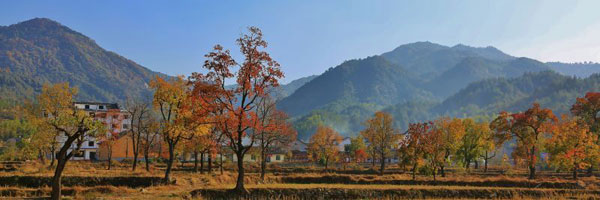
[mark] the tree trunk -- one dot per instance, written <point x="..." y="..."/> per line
<point x="476" y="164"/>
<point x="109" y="157"/>
<point x="263" y="164"/>
<point x="532" y="164"/>
<point x="434" y="174"/>
<point x="209" y="162"/>
<point x="52" y="157"/>
<point x="442" y="172"/>
<point x="575" y="173"/>
<point x="532" y="172"/>
<point x="202" y="162"/>
<point x="135" y="160"/>
<point x="239" y="187"/>
<point x="382" y="167"/>
<point x="221" y="162"/>
<point x="414" y="171"/>
<point x="467" y="164"/>
<point x="195" y="161"/>
<point x="147" y="160"/>
<point x="326" y="163"/>
<point x="167" y="178"/>
<point x="56" y="180"/>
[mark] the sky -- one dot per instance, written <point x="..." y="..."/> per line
<point x="307" y="37"/>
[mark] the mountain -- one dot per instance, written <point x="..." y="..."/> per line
<point x="473" y="69"/>
<point x="581" y="70"/>
<point x="413" y="76"/>
<point x="370" y="80"/>
<point x="488" y="97"/>
<point x="42" y="51"/>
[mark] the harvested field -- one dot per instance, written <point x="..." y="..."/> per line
<point x="393" y="180"/>
<point x="89" y="181"/>
<point x="338" y="191"/>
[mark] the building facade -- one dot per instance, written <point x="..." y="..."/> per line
<point x="116" y="121"/>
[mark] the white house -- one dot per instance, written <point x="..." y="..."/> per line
<point x="115" y="119"/>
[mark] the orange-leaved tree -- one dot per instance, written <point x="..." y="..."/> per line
<point x="434" y="149"/>
<point x="452" y="131"/>
<point x="572" y="145"/>
<point x="587" y="108"/>
<point x="528" y="127"/>
<point x="235" y="107"/>
<point x="381" y="136"/>
<point x="323" y="145"/>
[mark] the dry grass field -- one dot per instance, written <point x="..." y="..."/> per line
<point x="84" y="180"/>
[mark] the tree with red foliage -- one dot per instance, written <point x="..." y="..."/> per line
<point x="528" y="128"/>
<point x="412" y="146"/>
<point x="235" y="107"/>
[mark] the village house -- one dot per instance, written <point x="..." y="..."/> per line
<point x="116" y="121"/>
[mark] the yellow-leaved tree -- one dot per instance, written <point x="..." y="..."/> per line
<point x="572" y="146"/>
<point x="323" y="145"/>
<point x="70" y="125"/>
<point x="180" y="116"/>
<point x="381" y="137"/>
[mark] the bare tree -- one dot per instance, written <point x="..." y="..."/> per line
<point x="139" y="113"/>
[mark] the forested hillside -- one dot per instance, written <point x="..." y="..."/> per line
<point x="42" y="51"/>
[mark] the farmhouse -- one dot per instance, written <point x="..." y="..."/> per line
<point x="115" y="119"/>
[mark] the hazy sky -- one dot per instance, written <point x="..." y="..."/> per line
<point x="307" y="37"/>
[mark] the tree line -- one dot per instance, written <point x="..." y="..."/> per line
<point x="569" y="142"/>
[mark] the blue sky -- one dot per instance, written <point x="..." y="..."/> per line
<point x="308" y="37"/>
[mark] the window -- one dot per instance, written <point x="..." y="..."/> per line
<point x="277" y="157"/>
<point x="125" y="126"/>
<point x="101" y="107"/>
<point x="91" y="143"/>
<point x="87" y="106"/>
<point x="253" y="157"/>
<point x="79" y="154"/>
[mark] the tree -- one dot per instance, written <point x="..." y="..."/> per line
<point x="453" y="131"/>
<point x="273" y="131"/>
<point x="381" y="135"/>
<point x="434" y="149"/>
<point x="528" y="128"/>
<point x="139" y="114"/>
<point x="412" y="146"/>
<point x="72" y="125"/>
<point x="323" y="145"/>
<point x="235" y="107"/>
<point x="356" y="150"/>
<point x="572" y="145"/>
<point x="113" y="120"/>
<point x="488" y="144"/>
<point x="471" y="142"/>
<point x="149" y="139"/>
<point x="587" y="109"/>
<point x="178" y="120"/>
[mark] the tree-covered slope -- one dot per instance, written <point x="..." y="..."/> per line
<point x="370" y="80"/>
<point x="42" y="51"/>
